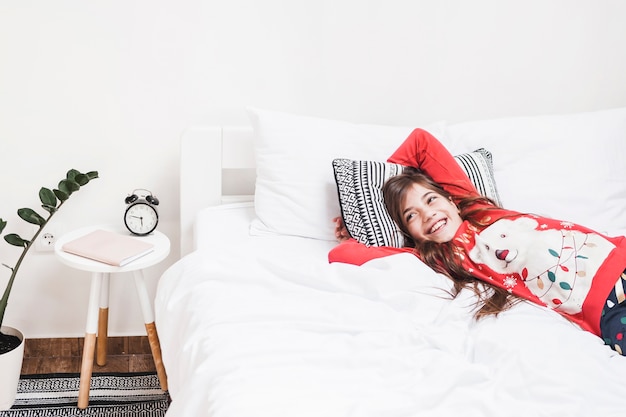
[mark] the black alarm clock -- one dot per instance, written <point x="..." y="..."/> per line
<point x="141" y="216"/>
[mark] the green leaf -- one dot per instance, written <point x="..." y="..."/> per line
<point x="15" y="240"/>
<point x="61" y="195"/>
<point x="49" y="209"/>
<point x="47" y="197"/>
<point x="68" y="186"/>
<point x="81" y="179"/>
<point x="3" y="224"/>
<point x="31" y="216"/>
<point x="71" y="174"/>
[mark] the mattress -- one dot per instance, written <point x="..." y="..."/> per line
<point x="265" y="326"/>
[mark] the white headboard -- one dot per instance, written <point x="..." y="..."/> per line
<point x="216" y="166"/>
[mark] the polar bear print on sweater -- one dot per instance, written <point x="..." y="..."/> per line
<point x="557" y="265"/>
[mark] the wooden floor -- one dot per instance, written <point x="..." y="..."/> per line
<point x="63" y="355"/>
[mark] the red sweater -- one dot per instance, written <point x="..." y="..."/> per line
<point x="555" y="263"/>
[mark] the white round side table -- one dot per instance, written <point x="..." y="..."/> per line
<point x="98" y="309"/>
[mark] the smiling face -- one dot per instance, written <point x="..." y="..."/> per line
<point x="429" y="216"/>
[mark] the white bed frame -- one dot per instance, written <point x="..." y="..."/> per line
<point x="217" y="166"/>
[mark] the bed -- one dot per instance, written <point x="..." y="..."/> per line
<point x="254" y="321"/>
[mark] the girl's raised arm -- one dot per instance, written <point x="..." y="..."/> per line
<point x="423" y="151"/>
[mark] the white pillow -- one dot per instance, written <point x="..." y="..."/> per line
<point x="569" y="167"/>
<point x="295" y="187"/>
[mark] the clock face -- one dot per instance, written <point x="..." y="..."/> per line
<point x="141" y="218"/>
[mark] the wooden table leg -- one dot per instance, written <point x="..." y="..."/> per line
<point x="155" y="347"/>
<point x="89" y="346"/>
<point x="102" y="345"/>
<point x="86" y="369"/>
<point x="153" y="338"/>
<point x="103" y="322"/>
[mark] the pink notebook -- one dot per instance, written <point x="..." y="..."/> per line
<point x="108" y="247"/>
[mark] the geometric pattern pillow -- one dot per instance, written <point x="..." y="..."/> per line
<point x="478" y="166"/>
<point x="359" y="187"/>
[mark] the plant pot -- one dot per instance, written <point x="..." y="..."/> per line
<point x="11" y="366"/>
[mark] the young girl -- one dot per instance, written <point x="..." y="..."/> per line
<point x="446" y="223"/>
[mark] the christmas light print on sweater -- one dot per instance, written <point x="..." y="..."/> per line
<point x="554" y="261"/>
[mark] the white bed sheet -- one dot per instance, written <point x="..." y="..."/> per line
<point x="264" y="326"/>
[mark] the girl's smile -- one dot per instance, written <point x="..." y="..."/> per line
<point x="430" y="216"/>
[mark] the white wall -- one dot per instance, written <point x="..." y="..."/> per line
<point x="109" y="85"/>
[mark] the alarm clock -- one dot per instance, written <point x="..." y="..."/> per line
<point x="141" y="216"/>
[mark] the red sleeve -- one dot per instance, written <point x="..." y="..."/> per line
<point x="422" y="150"/>
<point x="352" y="252"/>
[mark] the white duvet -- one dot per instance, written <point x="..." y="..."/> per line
<point x="266" y="327"/>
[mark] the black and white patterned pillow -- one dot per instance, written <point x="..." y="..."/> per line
<point x="360" y="183"/>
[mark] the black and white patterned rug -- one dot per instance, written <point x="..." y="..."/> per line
<point x="110" y="395"/>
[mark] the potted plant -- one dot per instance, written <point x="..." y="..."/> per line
<point x="11" y="340"/>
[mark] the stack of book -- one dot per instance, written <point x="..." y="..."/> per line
<point x="108" y="247"/>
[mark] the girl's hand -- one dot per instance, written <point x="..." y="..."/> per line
<point x="341" y="231"/>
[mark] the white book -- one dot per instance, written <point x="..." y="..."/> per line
<point x="108" y="247"/>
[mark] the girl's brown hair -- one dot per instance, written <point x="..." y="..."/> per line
<point x="441" y="256"/>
